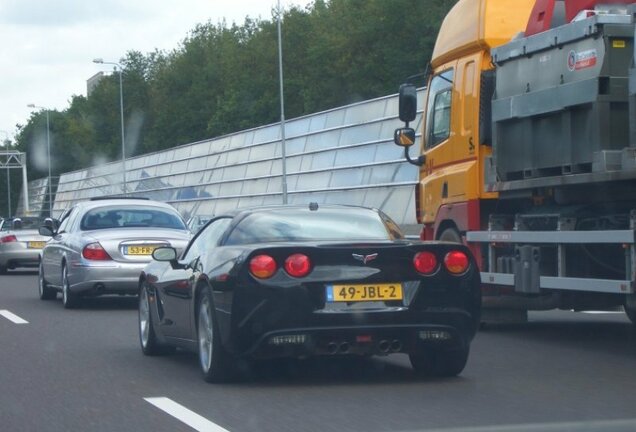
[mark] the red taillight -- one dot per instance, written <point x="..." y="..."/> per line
<point x="297" y="265"/>
<point x="456" y="262"/>
<point x="8" y="239"/>
<point x="425" y="262"/>
<point x="96" y="252"/>
<point x="263" y="266"/>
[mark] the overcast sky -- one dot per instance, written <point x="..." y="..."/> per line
<point x="47" y="46"/>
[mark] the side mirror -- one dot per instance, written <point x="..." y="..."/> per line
<point x="46" y="231"/>
<point x="404" y="137"/>
<point x="408" y="102"/>
<point x="164" y="254"/>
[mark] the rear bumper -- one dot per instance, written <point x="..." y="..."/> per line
<point x="451" y="329"/>
<point x="19" y="256"/>
<point x="111" y="278"/>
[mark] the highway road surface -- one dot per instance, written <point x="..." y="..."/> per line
<point x="82" y="370"/>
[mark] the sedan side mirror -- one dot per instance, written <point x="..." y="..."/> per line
<point x="46" y="231"/>
<point x="165" y="254"/>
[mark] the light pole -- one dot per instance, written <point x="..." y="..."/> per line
<point x="48" y="154"/>
<point x="5" y="144"/>
<point x="282" y="107"/>
<point x="121" y="109"/>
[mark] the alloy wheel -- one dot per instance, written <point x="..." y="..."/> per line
<point x="206" y="337"/>
<point x="144" y="314"/>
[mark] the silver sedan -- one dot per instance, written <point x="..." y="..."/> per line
<point x="101" y="246"/>
<point x="20" y="243"/>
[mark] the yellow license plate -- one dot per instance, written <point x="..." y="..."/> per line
<point x="35" y="244"/>
<point x="370" y="292"/>
<point x="139" y="250"/>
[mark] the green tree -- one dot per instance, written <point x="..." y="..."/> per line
<point x="224" y="78"/>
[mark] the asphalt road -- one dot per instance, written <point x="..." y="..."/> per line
<point x="82" y="370"/>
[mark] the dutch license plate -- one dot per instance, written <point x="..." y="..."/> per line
<point x="358" y="292"/>
<point x="35" y="244"/>
<point x="139" y="250"/>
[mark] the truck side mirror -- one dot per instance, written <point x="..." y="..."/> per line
<point x="408" y="102"/>
<point x="404" y="137"/>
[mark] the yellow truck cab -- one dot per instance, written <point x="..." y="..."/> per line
<point x="451" y="179"/>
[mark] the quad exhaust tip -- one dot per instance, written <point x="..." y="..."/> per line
<point x="396" y="345"/>
<point x="332" y="347"/>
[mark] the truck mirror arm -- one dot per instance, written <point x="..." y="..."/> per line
<point x="421" y="159"/>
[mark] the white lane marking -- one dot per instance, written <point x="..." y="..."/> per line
<point x="12" y="317"/>
<point x="192" y="419"/>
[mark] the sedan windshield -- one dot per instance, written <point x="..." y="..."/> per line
<point x="123" y="217"/>
<point x="304" y="225"/>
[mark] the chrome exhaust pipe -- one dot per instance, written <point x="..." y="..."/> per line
<point x="332" y="348"/>
<point x="344" y="347"/>
<point x="384" y="346"/>
<point x="396" y="345"/>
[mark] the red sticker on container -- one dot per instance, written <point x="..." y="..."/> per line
<point x="581" y="60"/>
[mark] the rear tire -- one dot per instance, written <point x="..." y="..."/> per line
<point x="150" y="345"/>
<point x="3" y="270"/>
<point x="216" y="363"/>
<point x="70" y="300"/>
<point x="440" y="363"/>
<point x="46" y="292"/>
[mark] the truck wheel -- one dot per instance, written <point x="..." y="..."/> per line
<point x="450" y="235"/>
<point x="440" y="363"/>
<point x="631" y="313"/>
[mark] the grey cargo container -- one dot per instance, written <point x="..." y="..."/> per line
<point x="561" y="100"/>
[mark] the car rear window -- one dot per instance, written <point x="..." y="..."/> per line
<point x="24" y="223"/>
<point x="299" y="225"/>
<point x="130" y="217"/>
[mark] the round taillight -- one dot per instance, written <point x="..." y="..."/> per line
<point x="95" y="252"/>
<point x="425" y="262"/>
<point x="263" y="266"/>
<point x="456" y="262"/>
<point x="297" y="265"/>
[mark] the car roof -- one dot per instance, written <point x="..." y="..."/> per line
<point x="275" y="208"/>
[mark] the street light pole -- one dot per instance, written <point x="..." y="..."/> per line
<point x="282" y="107"/>
<point x="6" y="145"/>
<point x="121" y="112"/>
<point x="48" y="155"/>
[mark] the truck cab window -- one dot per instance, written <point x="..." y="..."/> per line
<point x="439" y="109"/>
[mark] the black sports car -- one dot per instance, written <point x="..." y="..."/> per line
<point x="292" y="281"/>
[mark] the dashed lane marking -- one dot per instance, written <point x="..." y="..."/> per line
<point x="181" y="413"/>
<point x="13" y="317"/>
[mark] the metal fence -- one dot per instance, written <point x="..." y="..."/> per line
<point x="340" y="156"/>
